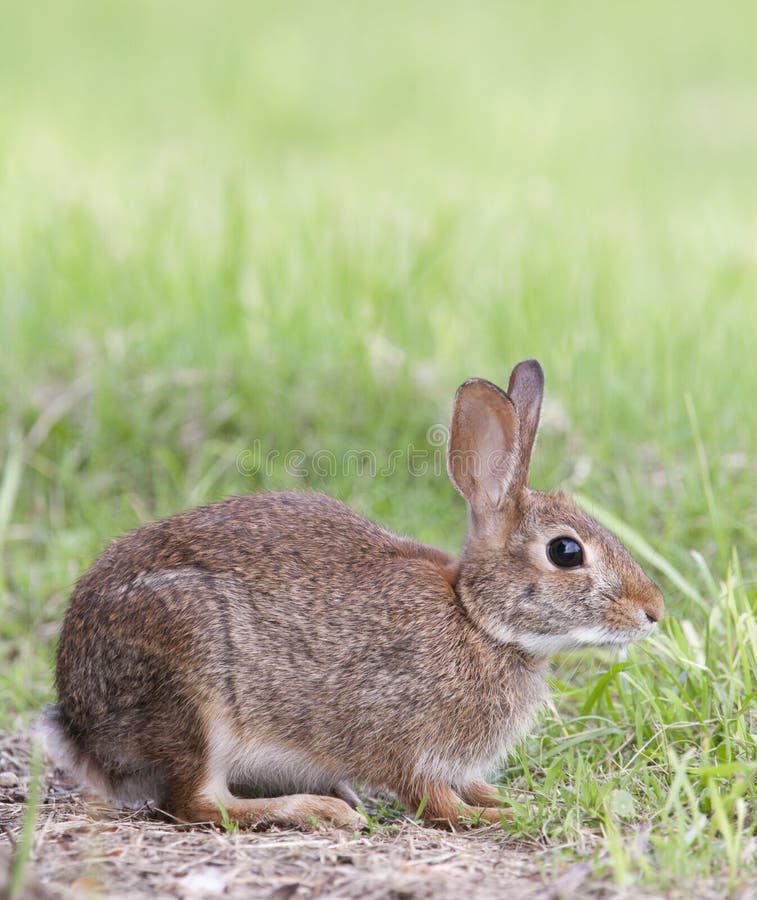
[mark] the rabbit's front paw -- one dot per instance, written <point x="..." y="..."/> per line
<point x="487" y="815"/>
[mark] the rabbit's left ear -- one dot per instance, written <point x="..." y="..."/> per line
<point x="483" y="452"/>
<point x="526" y="389"/>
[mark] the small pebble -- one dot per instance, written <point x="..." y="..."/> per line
<point x="8" y="780"/>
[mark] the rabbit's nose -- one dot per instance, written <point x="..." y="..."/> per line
<point x="654" y="605"/>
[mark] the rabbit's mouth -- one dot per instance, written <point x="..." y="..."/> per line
<point x="611" y="638"/>
<point x="544" y="644"/>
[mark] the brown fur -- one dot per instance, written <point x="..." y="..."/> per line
<point x="269" y="651"/>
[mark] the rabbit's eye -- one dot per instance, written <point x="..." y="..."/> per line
<point x="565" y="553"/>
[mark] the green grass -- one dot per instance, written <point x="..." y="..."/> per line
<point x="303" y="226"/>
<point x="227" y="823"/>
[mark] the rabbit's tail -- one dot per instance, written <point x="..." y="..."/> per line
<point x="55" y="735"/>
<point x="124" y="784"/>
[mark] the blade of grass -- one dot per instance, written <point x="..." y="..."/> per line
<point x="20" y="864"/>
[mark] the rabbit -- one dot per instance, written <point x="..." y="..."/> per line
<point x="265" y="657"/>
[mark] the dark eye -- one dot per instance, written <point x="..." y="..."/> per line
<point x="565" y="553"/>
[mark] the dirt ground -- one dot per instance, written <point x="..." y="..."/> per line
<point x="83" y="851"/>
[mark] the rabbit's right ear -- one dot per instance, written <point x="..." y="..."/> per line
<point x="483" y="455"/>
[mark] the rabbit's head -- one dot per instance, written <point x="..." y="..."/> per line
<point x="536" y="571"/>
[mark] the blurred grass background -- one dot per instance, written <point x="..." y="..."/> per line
<point x="306" y="224"/>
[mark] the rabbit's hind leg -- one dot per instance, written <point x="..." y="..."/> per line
<point x="305" y="811"/>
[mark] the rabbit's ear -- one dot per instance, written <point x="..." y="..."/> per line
<point x="483" y="456"/>
<point x="526" y="389"/>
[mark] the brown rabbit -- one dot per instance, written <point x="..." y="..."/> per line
<point x="266" y="653"/>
